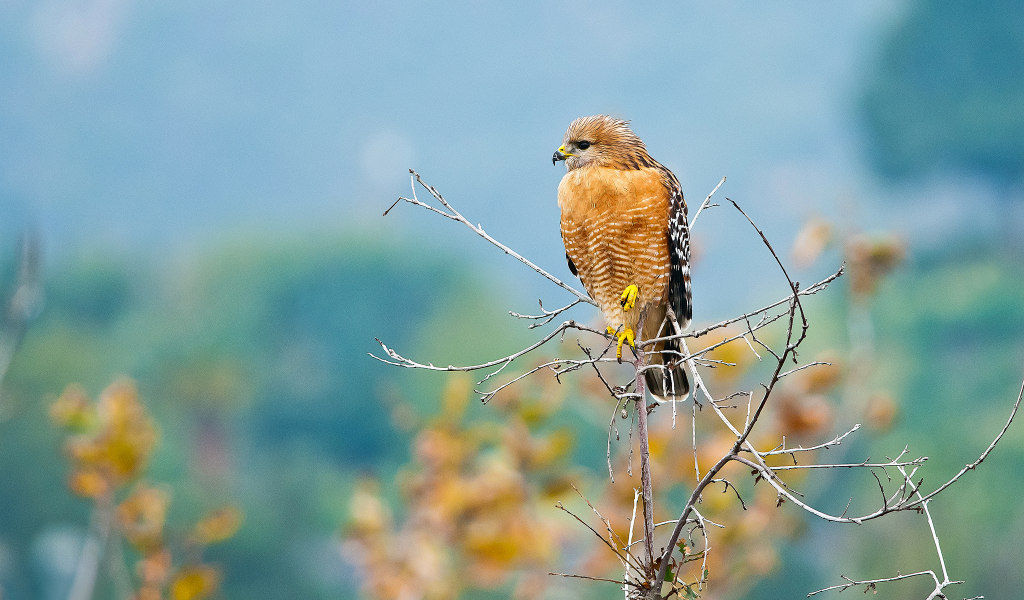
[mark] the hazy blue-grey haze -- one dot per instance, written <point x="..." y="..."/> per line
<point x="164" y="126"/>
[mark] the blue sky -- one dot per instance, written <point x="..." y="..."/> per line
<point x="164" y="127"/>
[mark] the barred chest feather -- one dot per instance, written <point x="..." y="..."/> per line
<point x="614" y="229"/>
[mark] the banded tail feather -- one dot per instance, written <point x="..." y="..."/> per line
<point x="667" y="380"/>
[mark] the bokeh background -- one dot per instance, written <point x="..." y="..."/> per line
<point x="206" y="182"/>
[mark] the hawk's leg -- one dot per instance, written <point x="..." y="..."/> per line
<point x="628" y="297"/>
<point x="626" y="336"/>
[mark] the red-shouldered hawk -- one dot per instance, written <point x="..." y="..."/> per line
<point x="626" y="236"/>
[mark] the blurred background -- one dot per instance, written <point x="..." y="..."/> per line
<point x="191" y="197"/>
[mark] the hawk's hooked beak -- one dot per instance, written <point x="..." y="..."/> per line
<point x="560" y="154"/>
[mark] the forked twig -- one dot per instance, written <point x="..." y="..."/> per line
<point x="457" y="216"/>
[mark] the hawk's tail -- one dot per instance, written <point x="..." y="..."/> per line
<point x="666" y="379"/>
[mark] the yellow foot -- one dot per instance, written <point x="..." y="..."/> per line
<point x="628" y="297"/>
<point x="626" y="336"/>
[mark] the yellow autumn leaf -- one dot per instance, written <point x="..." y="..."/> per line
<point x="119" y="404"/>
<point x="367" y="510"/>
<point x="148" y="593"/>
<point x="128" y="452"/>
<point x="195" y="582"/>
<point x="72" y="410"/>
<point x="129" y="434"/>
<point x="85" y="451"/>
<point x="88" y="484"/>
<point x="141" y="516"/>
<point x="218" y="525"/>
<point x="804" y="414"/>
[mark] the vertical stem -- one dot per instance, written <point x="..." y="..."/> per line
<point x="117" y="564"/>
<point x="92" y="551"/>
<point x="645" y="465"/>
<point x="632" y="520"/>
<point x="935" y="538"/>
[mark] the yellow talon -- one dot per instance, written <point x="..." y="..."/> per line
<point x="628" y="297"/>
<point x="626" y="336"/>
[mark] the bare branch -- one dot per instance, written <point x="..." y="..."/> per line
<point x="981" y="458"/>
<point x="548" y="314"/>
<point x="817" y="287"/>
<point x="477" y="229"/>
<point x="836" y="441"/>
<point x="802" y="367"/>
<point x="729" y="484"/>
<point x="741" y="437"/>
<point x="611" y="547"/>
<point x="501" y="363"/>
<point x="869" y="584"/>
<point x="913" y="463"/>
<point x="595" y="579"/>
<point x="706" y="203"/>
<point x="613" y="537"/>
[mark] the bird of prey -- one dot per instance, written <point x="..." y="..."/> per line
<point x="626" y="236"/>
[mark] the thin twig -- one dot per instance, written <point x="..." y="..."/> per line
<point x="817" y="287"/>
<point x="706" y="203"/>
<point x="456" y="216"/>
<point x="594" y="578"/>
<point x="547" y="316"/>
<point x="869" y="584"/>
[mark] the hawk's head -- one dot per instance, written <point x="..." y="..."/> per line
<point x="602" y="141"/>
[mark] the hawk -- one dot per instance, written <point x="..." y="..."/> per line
<point x="626" y="236"/>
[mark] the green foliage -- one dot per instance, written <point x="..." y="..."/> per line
<point x="253" y="361"/>
<point x="948" y="331"/>
<point x="947" y="92"/>
<point x="948" y="345"/>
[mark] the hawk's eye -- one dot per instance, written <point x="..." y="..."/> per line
<point x="583" y="145"/>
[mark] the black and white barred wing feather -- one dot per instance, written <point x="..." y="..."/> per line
<point x="679" y="255"/>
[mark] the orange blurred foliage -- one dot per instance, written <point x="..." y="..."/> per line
<point x="472" y="499"/>
<point x="870" y="260"/>
<point x="195" y="583"/>
<point x="881" y="411"/>
<point x="475" y="494"/>
<point x="109" y="445"/>
<point x="811" y="241"/>
<point x="116" y="440"/>
<point x="471" y="495"/>
<point x="220" y="525"/>
<point x="142" y="515"/>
